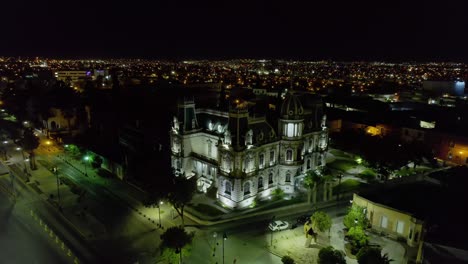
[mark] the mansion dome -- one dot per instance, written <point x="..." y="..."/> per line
<point x="291" y="108"/>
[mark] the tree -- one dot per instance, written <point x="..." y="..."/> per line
<point x="287" y="260"/>
<point x="356" y="216"/>
<point x="176" y="238"/>
<point x="328" y="255"/>
<point x="358" y="239"/>
<point x="311" y="181"/>
<point x="321" y="221"/>
<point x="181" y="194"/>
<point x="30" y="142"/>
<point x="372" y="255"/>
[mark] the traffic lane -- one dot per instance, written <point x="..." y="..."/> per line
<point x="49" y="214"/>
<point x="259" y="224"/>
<point x="22" y="241"/>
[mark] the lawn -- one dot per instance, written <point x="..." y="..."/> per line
<point x="206" y="209"/>
<point x="339" y="153"/>
<point x="342" y="165"/>
<point x="347" y="186"/>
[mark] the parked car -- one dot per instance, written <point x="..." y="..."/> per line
<point x="278" y="225"/>
<point x="302" y="219"/>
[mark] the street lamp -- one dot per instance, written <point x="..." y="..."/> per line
<point x="24" y="159"/>
<point x="271" y="231"/>
<point x="55" y="170"/>
<point x="86" y="158"/>
<point x="159" y="211"/>
<point x="340" y="176"/>
<point x="224" y="238"/>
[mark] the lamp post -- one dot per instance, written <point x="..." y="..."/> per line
<point x="224" y="238"/>
<point x="340" y="176"/>
<point x="159" y="212"/>
<point x="24" y="159"/>
<point x="271" y="231"/>
<point x="86" y="158"/>
<point x="55" y="170"/>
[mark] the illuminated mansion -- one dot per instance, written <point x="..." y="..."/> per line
<point x="242" y="155"/>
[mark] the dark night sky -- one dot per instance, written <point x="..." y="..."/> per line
<point x="310" y="30"/>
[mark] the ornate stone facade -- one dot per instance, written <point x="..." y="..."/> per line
<point x="244" y="157"/>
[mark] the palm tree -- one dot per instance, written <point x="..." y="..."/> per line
<point x="311" y="181"/>
<point x="30" y="142"/>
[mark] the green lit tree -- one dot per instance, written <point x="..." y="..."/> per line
<point x="328" y="255"/>
<point x="311" y="181"/>
<point x="372" y="255"/>
<point x="30" y="142"/>
<point x="358" y="239"/>
<point x="175" y="239"/>
<point x="321" y="221"/>
<point x="356" y="216"/>
<point x="181" y="194"/>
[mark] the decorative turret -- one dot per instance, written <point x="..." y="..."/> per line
<point x="238" y="124"/>
<point x="291" y="108"/>
<point x="186" y="116"/>
<point x="291" y="123"/>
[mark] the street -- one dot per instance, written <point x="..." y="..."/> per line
<point x="22" y="240"/>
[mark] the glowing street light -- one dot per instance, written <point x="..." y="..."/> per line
<point x="86" y="158"/>
<point x="55" y="170"/>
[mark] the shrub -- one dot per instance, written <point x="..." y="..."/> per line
<point x="328" y="255"/>
<point x="356" y="213"/>
<point x="357" y="238"/>
<point x="287" y="260"/>
<point x="277" y="194"/>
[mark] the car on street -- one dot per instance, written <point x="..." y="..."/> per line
<point x="302" y="219"/>
<point x="278" y="225"/>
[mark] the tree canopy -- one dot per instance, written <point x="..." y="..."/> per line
<point x="328" y="255"/>
<point x="321" y="221"/>
<point x="372" y="255"/>
<point x="355" y="213"/>
<point x="182" y="193"/>
<point x="175" y="238"/>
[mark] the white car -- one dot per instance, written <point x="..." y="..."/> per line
<point x="278" y="225"/>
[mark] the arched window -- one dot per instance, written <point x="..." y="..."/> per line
<point x="289" y="155"/>
<point x="288" y="177"/>
<point x="261" y="160"/>
<point x="248" y="138"/>
<point x="260" y="182"/>
<point x="270" y="178"/>
<point x="308" y="163"/>
<point x="227" y="187"/>
<point x="227" y="137"/>
<point x="247" y="188"/>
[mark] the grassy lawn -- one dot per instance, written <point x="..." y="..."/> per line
<point x="206" y="209"/>
<point x="339" y="153"/>
<point x="342" y="165"/>
<point x="347" y="186"/>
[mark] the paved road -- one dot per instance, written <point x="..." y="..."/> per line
<point x="22" y="240"/>
<point x="247" y="239"/>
